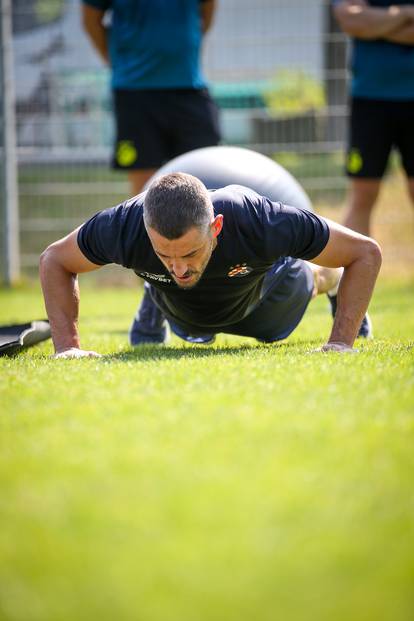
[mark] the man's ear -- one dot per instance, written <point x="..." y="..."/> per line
<point x="217" y="225"/>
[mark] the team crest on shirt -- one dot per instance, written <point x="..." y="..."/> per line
<point x="239" y="270"/>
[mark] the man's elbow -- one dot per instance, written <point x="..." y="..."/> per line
<point x="44" y="258"/>
<point x="372" y="252"/>
<point x="48" y="258"/>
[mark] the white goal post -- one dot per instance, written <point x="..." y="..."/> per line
<point x="9" y="212"/>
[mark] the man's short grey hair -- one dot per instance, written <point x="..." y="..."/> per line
<point x="175" y="203"/>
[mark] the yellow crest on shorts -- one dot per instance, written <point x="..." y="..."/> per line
<point x="126" y="153"/>
<point x="354" y="161"/>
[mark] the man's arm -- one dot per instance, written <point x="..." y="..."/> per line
<point x="92" y="20"/>
<point x="360" y="257"/>
<point x="403" y="35"/>
<point x="358" y="19"/>
<point x="59" y="265"/>
<point x="207" y="10"/>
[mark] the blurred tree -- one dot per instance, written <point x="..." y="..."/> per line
<point x="293" y="92"/>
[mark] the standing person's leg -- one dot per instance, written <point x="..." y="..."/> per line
<point x="405" y="141"/>
<point x="362" y="196"/>
<point x="370" y="143"/>
<point x="410" y="187"/>
<point x="138" y="179"/>
<point x="188" y="121"/>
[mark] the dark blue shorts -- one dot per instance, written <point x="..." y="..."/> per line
<point x="377" y="127"/>
<point x="281" y="308"/>
<point x="154" y="126"/>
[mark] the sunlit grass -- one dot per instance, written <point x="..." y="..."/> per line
<point x="238" y="481"/>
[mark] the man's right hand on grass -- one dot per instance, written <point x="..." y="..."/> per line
<point x="338" y="347"/>
<point x="74" y="352"/>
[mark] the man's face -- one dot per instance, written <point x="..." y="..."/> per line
<point x="187" y="257"/>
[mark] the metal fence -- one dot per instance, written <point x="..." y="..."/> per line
<point x="276" y="68"/>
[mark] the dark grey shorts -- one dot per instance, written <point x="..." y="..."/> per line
<point x="280" y="310"/>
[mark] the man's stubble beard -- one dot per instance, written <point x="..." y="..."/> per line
<point x="200" y="272"/>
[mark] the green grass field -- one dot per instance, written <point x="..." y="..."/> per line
<point x="233" y="482"/>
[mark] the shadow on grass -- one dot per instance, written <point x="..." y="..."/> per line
<point x="155" y="352"/>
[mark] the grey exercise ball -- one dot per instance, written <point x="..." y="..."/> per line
<point x="217" y="167"/>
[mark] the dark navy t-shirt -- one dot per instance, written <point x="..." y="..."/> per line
<point x="256" y="234"/>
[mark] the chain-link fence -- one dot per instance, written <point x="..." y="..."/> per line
<point x="276" y="69"/>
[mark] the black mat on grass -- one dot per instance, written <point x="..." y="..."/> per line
<point x="14" y="338"/>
